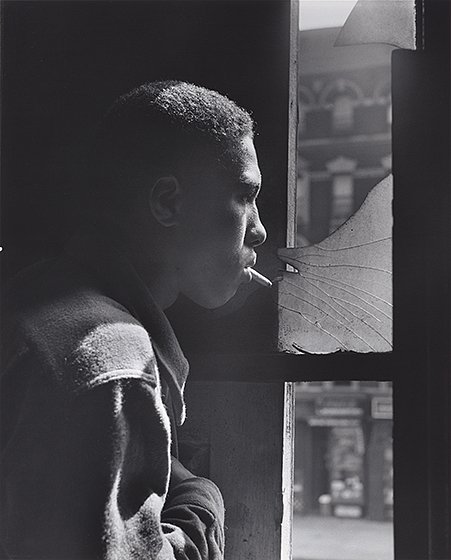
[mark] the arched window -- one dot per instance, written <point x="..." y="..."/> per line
<point x="382" y="95"/>
<point x="343" y="113"/>
<point x="342" y="200"/>
<point x="306" y="103"/>
<point x="340" y="96"/>
<point x="303" y="203"/>
<point x="342" y="190"/>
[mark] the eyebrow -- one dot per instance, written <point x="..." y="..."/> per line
<point x="246" y="182"/>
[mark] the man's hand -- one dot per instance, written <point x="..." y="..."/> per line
<point x="178" y="473"/>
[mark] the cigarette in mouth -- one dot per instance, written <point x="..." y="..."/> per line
<point x="259" y="278"/>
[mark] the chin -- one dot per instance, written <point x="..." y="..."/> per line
<point x="213" y="301"/>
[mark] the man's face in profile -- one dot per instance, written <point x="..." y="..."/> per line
<point x="220" y="228"/>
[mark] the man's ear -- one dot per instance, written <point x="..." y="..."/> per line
<point x="164" y="200"/>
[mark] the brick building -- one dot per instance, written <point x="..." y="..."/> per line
<point x="344" y="136"/>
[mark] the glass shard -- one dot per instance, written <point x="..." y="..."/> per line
<point x="340" y="296"/>
<point x="391" y="22"/>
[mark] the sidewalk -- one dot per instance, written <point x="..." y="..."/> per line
<point x="331" y="538"/>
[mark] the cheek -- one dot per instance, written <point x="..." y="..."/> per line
<point x="217" y="232"/>
<point x="230" y="225"/>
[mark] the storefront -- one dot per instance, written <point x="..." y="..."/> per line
<point x="344" y="450"/>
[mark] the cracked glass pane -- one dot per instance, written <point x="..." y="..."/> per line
<point x="337" y="292"/>
<point x="339" y="297"/>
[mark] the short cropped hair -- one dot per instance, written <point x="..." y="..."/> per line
<point x="159" y="127"/>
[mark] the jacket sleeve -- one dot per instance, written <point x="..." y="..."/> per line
<point x="141" y="519"/>
<point x="193" y="520"/>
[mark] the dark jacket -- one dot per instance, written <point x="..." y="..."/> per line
<point x="86" y="436"/>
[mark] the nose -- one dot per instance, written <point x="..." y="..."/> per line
<point x="256" y="232"/>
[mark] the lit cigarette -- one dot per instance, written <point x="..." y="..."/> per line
<point x="259" y="278"/>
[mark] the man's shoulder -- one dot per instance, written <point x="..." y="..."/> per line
<point x="77" y="332"/>
<point x="61" y="295"/>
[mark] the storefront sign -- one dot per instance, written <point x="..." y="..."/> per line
<point x="382" y="408"/>
<point x="333" y="422"/>
<point x="335" y="406"/>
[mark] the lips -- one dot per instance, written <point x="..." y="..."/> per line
<point x="252" y="262"/>
<point x="247" y="266"/>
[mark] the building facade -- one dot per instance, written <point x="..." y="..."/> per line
<point x="344" y="132"/>
<point x="343" y="457"/>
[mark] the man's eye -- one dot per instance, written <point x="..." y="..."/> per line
<point x="250" y="195"/>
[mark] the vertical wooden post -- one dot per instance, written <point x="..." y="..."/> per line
<point x="243" y="424"/>
<point x="289" y="400"/>
<point x="421" y="145"/>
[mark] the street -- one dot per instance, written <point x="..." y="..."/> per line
<point x="331" y="538"/>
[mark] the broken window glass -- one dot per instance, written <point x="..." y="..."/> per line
<point x="336" y="294"/>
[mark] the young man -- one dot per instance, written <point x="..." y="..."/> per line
<point x="93" y="377"/>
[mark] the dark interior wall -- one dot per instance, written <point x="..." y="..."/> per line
<point x="63" y="63"/>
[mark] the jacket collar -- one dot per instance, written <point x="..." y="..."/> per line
<point x="122" y="283"/>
